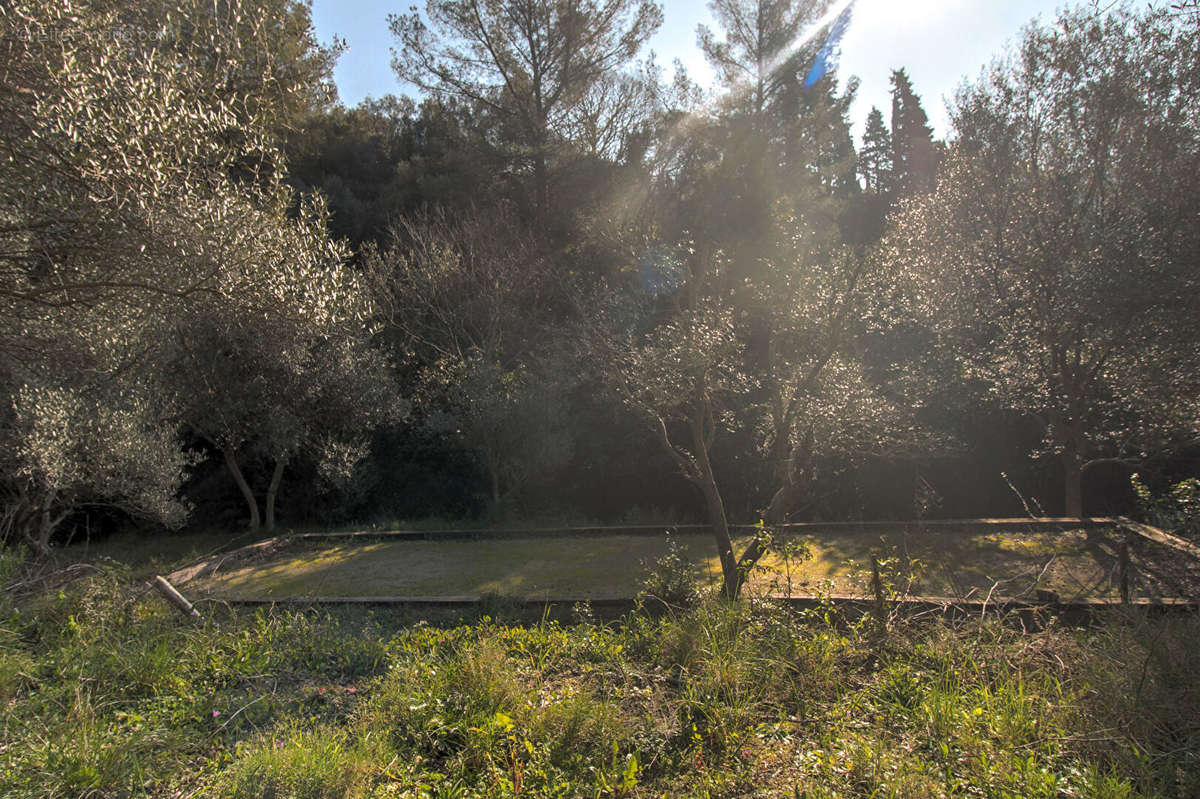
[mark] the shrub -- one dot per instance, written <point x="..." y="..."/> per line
<point x="1177" y="510"/>
<point x="673" y="578"/>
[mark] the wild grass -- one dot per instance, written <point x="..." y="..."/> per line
<point x="106" y="692"/>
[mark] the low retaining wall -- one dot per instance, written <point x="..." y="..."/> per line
<point x="1030" y="615"/>
<point x="1042" y="523"/>
<point x="1159" y="537"/>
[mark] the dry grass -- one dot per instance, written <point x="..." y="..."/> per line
<point x="952" y="562"/>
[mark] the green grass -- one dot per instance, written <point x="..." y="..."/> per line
<point x="939" y="561"/>
<point x="105" y="692"/>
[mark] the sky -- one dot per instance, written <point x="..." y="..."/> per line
<point x="939" y="42"/>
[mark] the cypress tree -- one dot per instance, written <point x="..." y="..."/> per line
<point x="914" y="163"/>
<point x="875" y="157"/>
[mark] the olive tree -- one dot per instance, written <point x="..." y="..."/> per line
<point x="132" y="145"/>
<point x="292" y="373"/>
<point x="1056" y="258"/>
<point x="680" y="361"/>
<point x="83" y="442"/>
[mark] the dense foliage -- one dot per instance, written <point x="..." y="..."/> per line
<point x="1057" y="256"/>
<point x="566" y="284"/>
<point x="145" y="224"/>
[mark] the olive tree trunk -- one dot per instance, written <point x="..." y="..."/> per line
<point x="1073" y="484"/>
<point x="32" y="519"/>
<point x="734" y="569"/>
<point x="273" y="491"/>
<point x="243" y="486"/>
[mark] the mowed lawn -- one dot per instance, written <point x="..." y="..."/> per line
<point x="940" y="561"/>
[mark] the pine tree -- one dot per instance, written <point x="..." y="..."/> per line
<point x="914" y="161"/>
<point x="532" y="64"/>
<point x="875" y="157"/>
